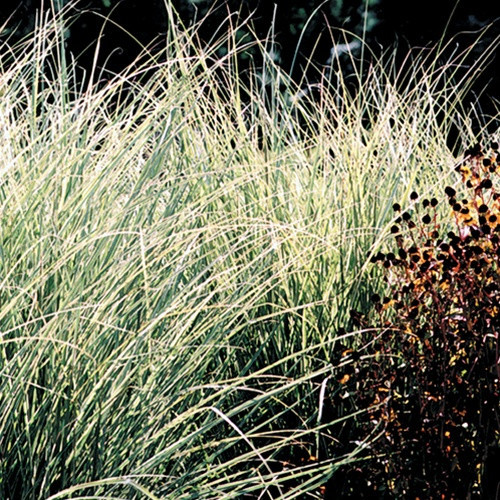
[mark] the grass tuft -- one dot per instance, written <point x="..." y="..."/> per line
<point x="177" y="254"/>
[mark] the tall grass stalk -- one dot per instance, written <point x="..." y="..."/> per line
<point x="176" y="255"/>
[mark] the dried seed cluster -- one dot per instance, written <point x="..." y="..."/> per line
<point x="430" y="371"/>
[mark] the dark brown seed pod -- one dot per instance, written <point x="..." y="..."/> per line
<point x="450" y="191"/>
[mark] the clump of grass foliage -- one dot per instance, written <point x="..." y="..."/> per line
<point x="177" y="253"/>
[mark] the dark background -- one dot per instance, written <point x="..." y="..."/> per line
<point x="409" y="24"/>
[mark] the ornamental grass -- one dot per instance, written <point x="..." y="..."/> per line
<point x="178" y="252"/>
